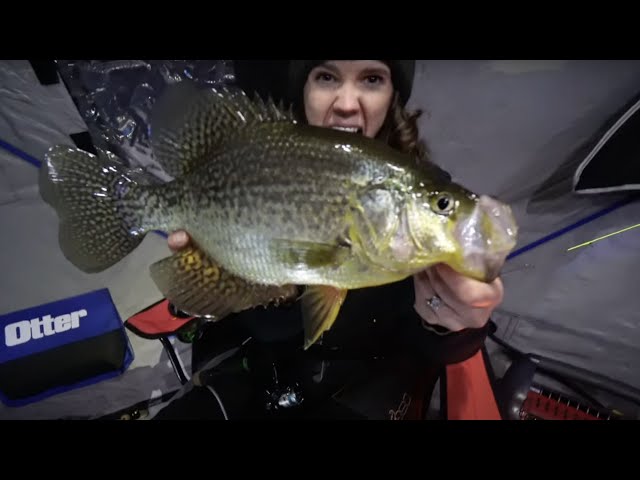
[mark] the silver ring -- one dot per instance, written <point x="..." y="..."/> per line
<point x="434" y="302"/>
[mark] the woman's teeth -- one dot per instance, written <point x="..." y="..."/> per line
<point x="349" y="129"/>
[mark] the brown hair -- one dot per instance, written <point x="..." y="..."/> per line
<point x="400" y="130"/>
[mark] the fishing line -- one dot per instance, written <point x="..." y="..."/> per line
<point x="603" y="237"/>
<point x="573" y="226"/>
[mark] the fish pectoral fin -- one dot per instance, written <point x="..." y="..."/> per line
<point x="311" y="254"/>
<point x="320" y="307"/>
<point x="195" y="284"/>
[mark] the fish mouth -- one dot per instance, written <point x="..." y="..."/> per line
<point x="486" y="237"/>
<point x="485" y="267"/>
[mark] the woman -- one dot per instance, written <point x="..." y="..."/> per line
<point x="389" y="344"/>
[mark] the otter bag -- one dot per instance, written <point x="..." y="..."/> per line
<point x="61" y="346"/>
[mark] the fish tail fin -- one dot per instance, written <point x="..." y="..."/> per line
<point x="99" y="205"/>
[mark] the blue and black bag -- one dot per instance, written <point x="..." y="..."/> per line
<point x="61" y="346"/>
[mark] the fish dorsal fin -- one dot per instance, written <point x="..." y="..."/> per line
<point x="190" y="123"/>
<point x="270" y="112"/>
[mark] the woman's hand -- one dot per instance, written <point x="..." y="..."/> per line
<point x="453" y="301"/>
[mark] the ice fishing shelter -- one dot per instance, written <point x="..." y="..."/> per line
<point x="555" y="139"/>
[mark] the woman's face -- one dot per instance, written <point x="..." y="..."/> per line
<point x="349" y="94"/>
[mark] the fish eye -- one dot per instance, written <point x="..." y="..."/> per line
<point x="443" y="203"/>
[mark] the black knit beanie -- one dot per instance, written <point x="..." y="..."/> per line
<point x="402" y="72"/>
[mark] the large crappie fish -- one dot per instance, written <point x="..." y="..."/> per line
<point x="270" y="204"/>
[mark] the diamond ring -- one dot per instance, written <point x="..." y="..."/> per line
<point x="434" y="302"/>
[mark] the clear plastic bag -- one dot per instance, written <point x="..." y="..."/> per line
<point x="115" y="98"/>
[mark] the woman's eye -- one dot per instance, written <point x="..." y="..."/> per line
<point x="324" y="77"/>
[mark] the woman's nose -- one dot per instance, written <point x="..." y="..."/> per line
<point x="347" y="102"/>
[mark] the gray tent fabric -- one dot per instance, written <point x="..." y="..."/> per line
<point x="32" y="118"/>
<point x="517" y="130"/>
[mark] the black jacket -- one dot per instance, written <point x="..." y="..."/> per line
<point x="368" y="365"/>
